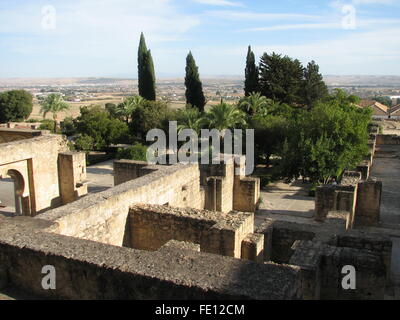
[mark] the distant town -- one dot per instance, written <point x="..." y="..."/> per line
<point x="80" y="92"/>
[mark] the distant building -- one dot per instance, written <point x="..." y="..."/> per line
<point x="380" y="111"/>
<point x="395" y="112"/>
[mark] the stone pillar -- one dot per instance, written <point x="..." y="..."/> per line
<point x="253" y="247"/>
<point x="325" y="201"/>
<point x="368" y="203"/>
<point x="72" y="176"/>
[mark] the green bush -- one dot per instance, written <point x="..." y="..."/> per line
<point x="47" y="125"/>
<point x="84" y="143"/>
<point x="137" y="152"/>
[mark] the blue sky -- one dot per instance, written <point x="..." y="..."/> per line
<point x="100" y="37"/>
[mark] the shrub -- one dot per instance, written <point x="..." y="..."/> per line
<point x="137" y="152"/>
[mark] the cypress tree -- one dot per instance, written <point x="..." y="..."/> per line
<point x="314" y="87"/>
<point x="251" y="74"/>
<point x="146" y="74"/>
<point x="194" y="87"/>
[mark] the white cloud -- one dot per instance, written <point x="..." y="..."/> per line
<point x="373" y="52"/>
<point x="225" y="3"/>
<point x="254" y="16"/>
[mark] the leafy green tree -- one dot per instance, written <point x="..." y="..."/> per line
<point x="224" y="116"/>
<point x="281" y="78"/>
<point x="137" y="152"/>
<point x="84" y="143"/>
<point x="146" y="73"/>
<point x="15" y="105"/>
<point x="270" y="133"/>
<point x="194" y="87"/>
<point x="126" y="108"/>
<point x="54" y="104"/>
<point x="97" y="123"/>
<point x="314" y="88"/>
<point x="251" y="74"/>
<point x="326" y="140"/>
<point x="112" y="109"/>
<point x="340" y="96"/>
<point x="68" y="127"/>
<point x="150" y="115"/>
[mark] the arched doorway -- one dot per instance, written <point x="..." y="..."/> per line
<point x="19" y="187"/>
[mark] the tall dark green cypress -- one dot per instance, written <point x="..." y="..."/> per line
<point x="251" y="74"/>
<point x="146" y="74"/>
<point x="194" y="87"/>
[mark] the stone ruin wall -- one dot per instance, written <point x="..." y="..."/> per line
<point x="93" y="270"/>
<point x="47" y="179"/>
<point x="39" y="168"/>
<point x="152" y="226"/>
<point x="103" y="216"/>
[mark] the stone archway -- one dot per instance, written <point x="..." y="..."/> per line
<point x="22" y="204"/>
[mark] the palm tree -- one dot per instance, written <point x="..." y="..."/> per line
<point x="130" y="104"/>
<point x="190" y="118"/>
<point x="255" y="103"/>
<point x="224" y="116"/>
<point x="54" y="104"/>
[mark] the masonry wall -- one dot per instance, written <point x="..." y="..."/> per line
<point x="10" y="135"/>
<point x="321" y="269"/>
<point x="152" y="226"/>
<point x="126" y="170"/>
<point x="370" y="274"/>
<point x="40" y="158"/>
<point x="367" y="210"/>
<point x="72" y="176"/>
<point x="103" y="216"/>
<point x="382" y="139"/>
<point x="92" y="270"/>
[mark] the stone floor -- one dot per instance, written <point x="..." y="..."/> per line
<point x="286" y="199"/>
<point x="100" y="176"/>
<point x="386" y="167"/>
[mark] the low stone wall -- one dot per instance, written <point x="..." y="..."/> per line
<point x="10" y="135"/>
<point x="152" y="226"/>
<point x="103" y="216"/>
<point x="383" y="139"/>
<point x="279" y="237"/>
<point x="126" y="170"/>
<point x="362" y="201"/>
<point x="321" y="268"/>
<point x="93" y="270"/>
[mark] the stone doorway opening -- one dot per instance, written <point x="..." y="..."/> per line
<point x="13" y="201"/>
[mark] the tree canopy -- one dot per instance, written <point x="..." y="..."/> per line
<point x="15" y="105"/>
<point x="251" y="74"/>
<point x="281" y="78"/>
<point x="146" y="73"/>
<point x="194" y="88"/>
<point x="325" y="141"/>
<point x="103" y="130"/>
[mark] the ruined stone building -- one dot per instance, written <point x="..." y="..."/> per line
<point x="182" y="231"/>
